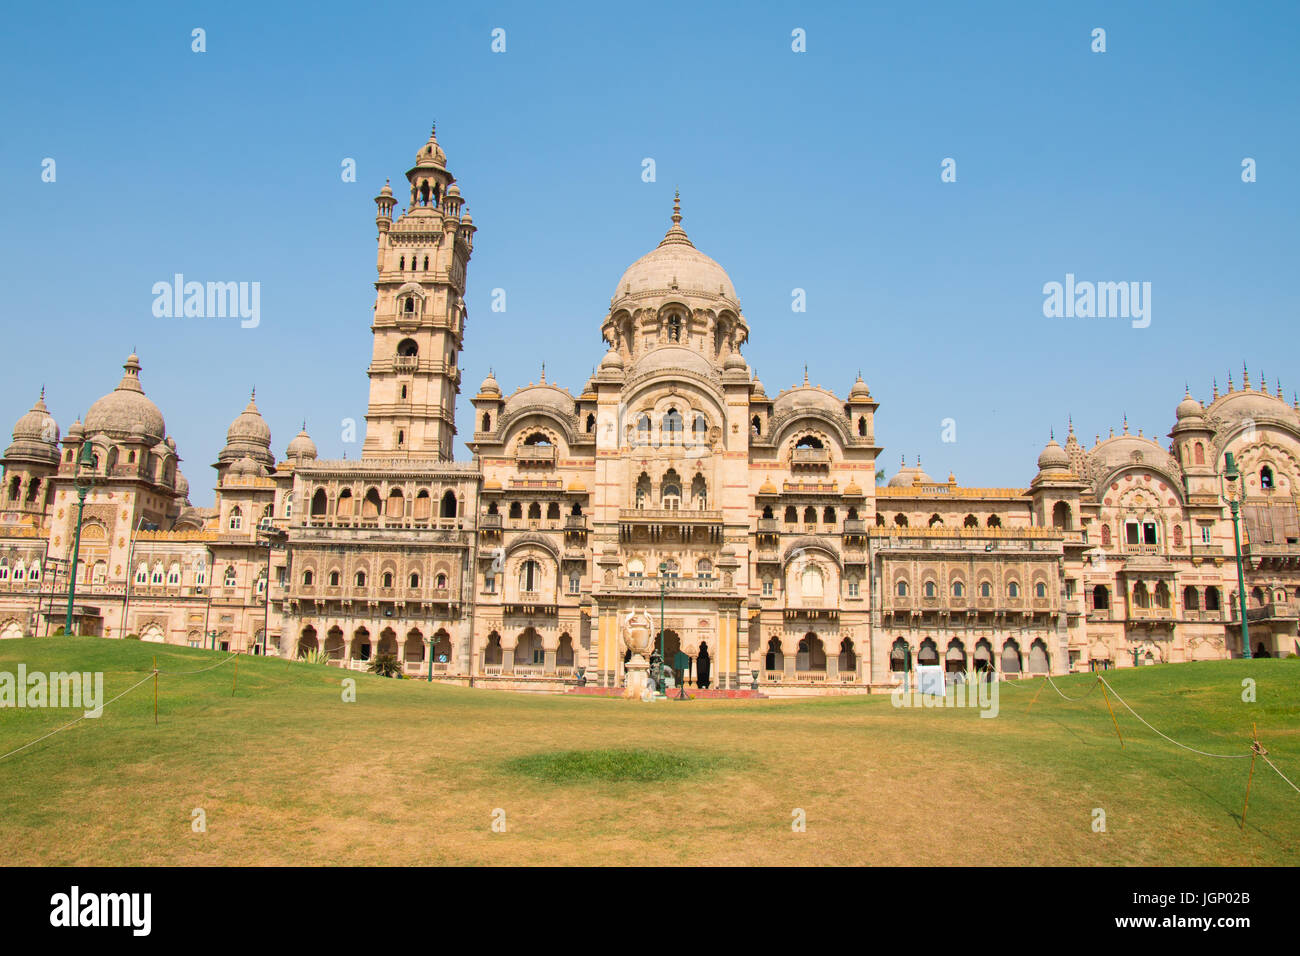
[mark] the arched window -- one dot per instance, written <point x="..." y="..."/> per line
<point x="1141" y="597"/>
<point x="1105" y="536"/>
<point x="971" y="522"/>
<point x="958" y="589"/>
<point x="334" y="579"/>
<point x="449" y="508"/>
<point x="1101" y="598"/>
<point x="229" y="579"/>
<point x="828" y="515"/>
<point x="701" y="430"/>
<point x="994" y="521"/>
<point x="791" y="515"/>
<point x="986" y="589"/>
<point x="318" y="503"/>
<point x="700" y="493"/>
<point x="359" y="579"/>
<point x="1040" y="590"/>
<point x="900" y="520"/>
<point x="591" y="423"/>
<point x="1013" y="589"/>
<point x="440" y="581"/>
<point x="516" y="510"/>
<point x="902" y="589"/>
<point x="642" y="490"/>
<point x="534" y="511"/>
<point x="530" y="576"/>
<point x="413" y="581"/>
<point x="308" y="578"/>
<point x="141" y="573"/>
<point x="643" y="429"/>
<point x="810" y="515"/>
<point x="930" y="589"/>
<point x="674" y="328"/>
<point x="757" y="424"/>
<point x="1266" y="478"/>
<point x="347" y="504"/>
<point x="704" y="568"/>
<point x="386" y="581"/>
<point x="1061" y="517"/>
<point x="935" y="521"/>
<point x="812" y="582"/>
<point x="673" y="423"/>
<point x="407" y="348"/>
<point x="1191" y="599"/>
<point x="157" y="577"/>
<point x="236" y="518"/>
<point x="636" y="568"/>
<point x="1212" y="599"/>
<point x="862" y="427"/>
<point x="553" y="512"/>
<point x="1198" y="454"/>
<point x="288" y="505"/>
<point x="487" y="422"/>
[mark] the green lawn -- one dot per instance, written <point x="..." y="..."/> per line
<point x="413" y="773"/>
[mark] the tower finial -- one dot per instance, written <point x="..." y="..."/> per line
<point x="805" y="373"/>
<point x="1245" y="377"/>
<point x="677" y="207"/>
<point x="543" y="382"/>
<point x="1126" y="423"/>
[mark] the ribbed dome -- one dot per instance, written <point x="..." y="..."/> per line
<point x="612" y="360"/>
<point x="1053" y="458"/>
<point x="767" y="488"/>
<point x="431" y="153"/>
<point x="248" y="435"/>
<point x="36" y="435"/>
<point x="489" y="386"/>
<point x="675" y="265"/>
<point x="126" y="409"/>
<point x="301" y="448"/>
<point x="859" y="390"/>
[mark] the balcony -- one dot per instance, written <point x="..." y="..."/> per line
<point x="535" y="454"/>
<point x="769" y="526"/>
<point x="406" y="363"/>
<point x="489" y="522"/>
<point x="855" y="526"/>
<point x="575" y="523"/>
<point x="810" y="456"/>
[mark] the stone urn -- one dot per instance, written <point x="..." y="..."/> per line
<point x="638" y="638"/>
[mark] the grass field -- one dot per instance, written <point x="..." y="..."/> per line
<point x="412" y="773"/>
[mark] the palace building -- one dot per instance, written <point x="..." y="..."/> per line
<point x="670" y="475"/>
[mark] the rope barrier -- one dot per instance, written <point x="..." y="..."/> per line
<point x="1166" y="736"/>
<point x="1279" y="773"/>
<point x="201" y="669"/>
<point x="1073" y="700"/>
<point x="82" y="717"/>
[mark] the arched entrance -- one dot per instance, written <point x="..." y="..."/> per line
<point x="307" y="640"/>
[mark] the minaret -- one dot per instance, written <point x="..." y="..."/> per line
<point x="419" y="321"/>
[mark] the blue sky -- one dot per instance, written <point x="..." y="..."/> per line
<point x="816" y="170"/>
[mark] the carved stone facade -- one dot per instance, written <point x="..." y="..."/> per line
<point x="671" y="480"/>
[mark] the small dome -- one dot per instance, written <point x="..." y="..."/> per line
<point x="768" y="488"/>
<point x="612" y="360"/>
<point x="246" y="466"/>
<point x="1053" y="457"/>
<point x="489" y="386"/>
<point x="36" y="435"/>
<point x="909" y="476"/>
<point x="1188" y="407"/>
<point x="119" y="412"/>
<point x="734" y="360"/>
<point x="453" y="191"/>
<point x="387" y="191"/>
<point x="859" y="391"/>
<point x="431" y="153"/>
<point x="577" y="485"/>
<point x="248" y="435"/>
<point x="853" y="490"/>
<point x="492" y="484"/>
<point x="76" y="429"/>
<point x="756" y="388"/>
<point x="301" y="448"/>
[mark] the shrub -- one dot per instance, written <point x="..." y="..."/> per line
<point x="386" y="665"/>
<point x="133" y="637"/>
<point x="314" y="657"/>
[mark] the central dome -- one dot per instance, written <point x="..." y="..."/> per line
<point x="126" y="409"/>
<point x="676" y="265"/>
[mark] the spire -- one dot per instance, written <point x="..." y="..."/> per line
<point x="1263" y="381"/>
<point x="1126" y="423"/>
<point x="1229" y="383"/>
<point x="675" y="233"/>
<point x="1245" y="377"/>
<point x="805" y="373"/>
<point x="543" y="382"/>
<point x="1216" y="389"/>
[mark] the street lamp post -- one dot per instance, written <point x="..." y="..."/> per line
<point x="1232" y="475"/>
<point x="81" y="480"/>
<point x="663" y="584"/>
